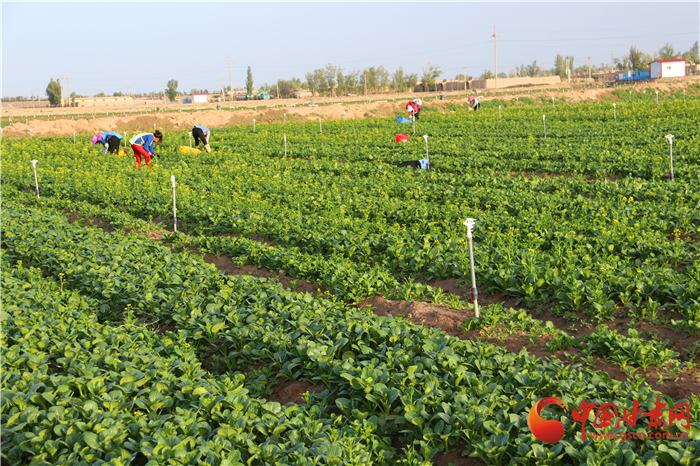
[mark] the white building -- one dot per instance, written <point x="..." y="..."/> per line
<point x="667" y="68"/>
<point x="200" y="98"/>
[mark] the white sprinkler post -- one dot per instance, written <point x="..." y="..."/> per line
<point x="684" y="95"/>
<point x="285" y="146"/>
<point x="30" y="133"/>
<point x="190" y="133"/>
<point x="73" y="137"/>
<point x="285" y="117"/>
<point x="469" y="223"/>
<point x="36" y="180"/>
<point x="615" y="112"/>
<point x="320" y="128"/>
<point x="670" y="141"/>
<point x="553" y="107"/>
<point x="630" y="95"/>
<point x="427" y="156"/>
<point x="253" y="126"/>
<point x="544" y="125"/>
<point x="172" y="180"/>
<point x="413" y="117"/>
<point x="499" y="113"/>
<point x="657" y="99"/>
<point x="124" y="139"/>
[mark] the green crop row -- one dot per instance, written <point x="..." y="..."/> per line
<point x="438" y="391"/>
<point x="79" y="391"/>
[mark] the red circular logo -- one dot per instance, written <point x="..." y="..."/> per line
<point x="546" y="430"/>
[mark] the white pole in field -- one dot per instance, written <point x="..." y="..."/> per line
<point x="172" y="180"/>
<point x="285" y="117"/>
<point x="657" y="99"/>
<point x="285" y="146"/>
<point x="36" y="180"/>
<point x="253" y="126"/>
<point x="427" y="156"/>
<point x="683" y="95"/>
<point x="320" y="128"/>
<point x="73" y="137"/>
<point x="414" y="125"/>
<point x="544" y="125"/>
<point x="499" y="113"/>
<point x="125" y="139"/>
<point x="30" y="133"/>
<point x="630" y="95"/>
<point x="615" y="112"/>
<point x="469" y="223"/>
<point x="190" y="133"/>
<point x="670" y="141"/>
<point x="553" y="106"/>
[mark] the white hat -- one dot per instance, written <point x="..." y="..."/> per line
<point x="418" y="101"/>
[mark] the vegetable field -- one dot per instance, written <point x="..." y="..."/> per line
<point x="121" y="344"/>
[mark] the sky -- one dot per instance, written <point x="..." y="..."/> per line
<point x="138" y="47"/>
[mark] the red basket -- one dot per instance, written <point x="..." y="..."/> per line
<point x="402" y="138"/>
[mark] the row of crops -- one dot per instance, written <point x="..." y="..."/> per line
<point x="91" y="375"/>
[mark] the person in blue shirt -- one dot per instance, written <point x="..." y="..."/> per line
<point x="201" y="133"/>
<point x="110" y="140"/>
<point x="142" y="145"/>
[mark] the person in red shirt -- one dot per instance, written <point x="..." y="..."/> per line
<point x="413" y="108"/>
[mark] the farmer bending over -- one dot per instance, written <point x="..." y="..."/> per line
<point x="413" y="108"/>
<point x="142" y="144"/>
<point x="201" y="133"/>
<point x="474" y="103"/>
<point x="111" y="141"/>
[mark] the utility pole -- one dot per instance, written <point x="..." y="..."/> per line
<point x="278" y="89"/>
<point x="163" y="91"/>
<point x="230" y="79"/>
<point x="223" y="96"/>
<point x="68" y="86"/>
<point x="465" y="78"/>
<point x="495" y="46"/>
<point x="60" y="84"/>
<point x="612" y="60"/>
<point x="589" y="68"/>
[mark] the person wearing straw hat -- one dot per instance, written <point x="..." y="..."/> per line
<point x="474" y="103"/>
<point x="413" y="108"/>
<point x="201" y="133"/>
<point x="142" y="145"/>
<point x="110" y="140"/>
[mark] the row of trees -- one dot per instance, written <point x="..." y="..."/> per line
<point x="334" y="80"/>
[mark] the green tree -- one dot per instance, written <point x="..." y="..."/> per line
<point x="559" y="67"/>
<point x="53" y="91"/>
<point x="249" y="82"/>
<point x="340" y="77"/>
<point x="532" y="70"/>
<point x="397" y="80"/>
<point x="488" y="74"/>
<point x="329" y="75"/>
<point x="288" y="88"/>
<point x="667" y="53"/>
<point x="171" y="89"/>
<point x="311" y="83"/>
<point x="411" y="81"/>
<point x="430" y="73"/>
<point x="637" y="59"/>
<point x="693" y="54"/>
<point x="383" y="78"/>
